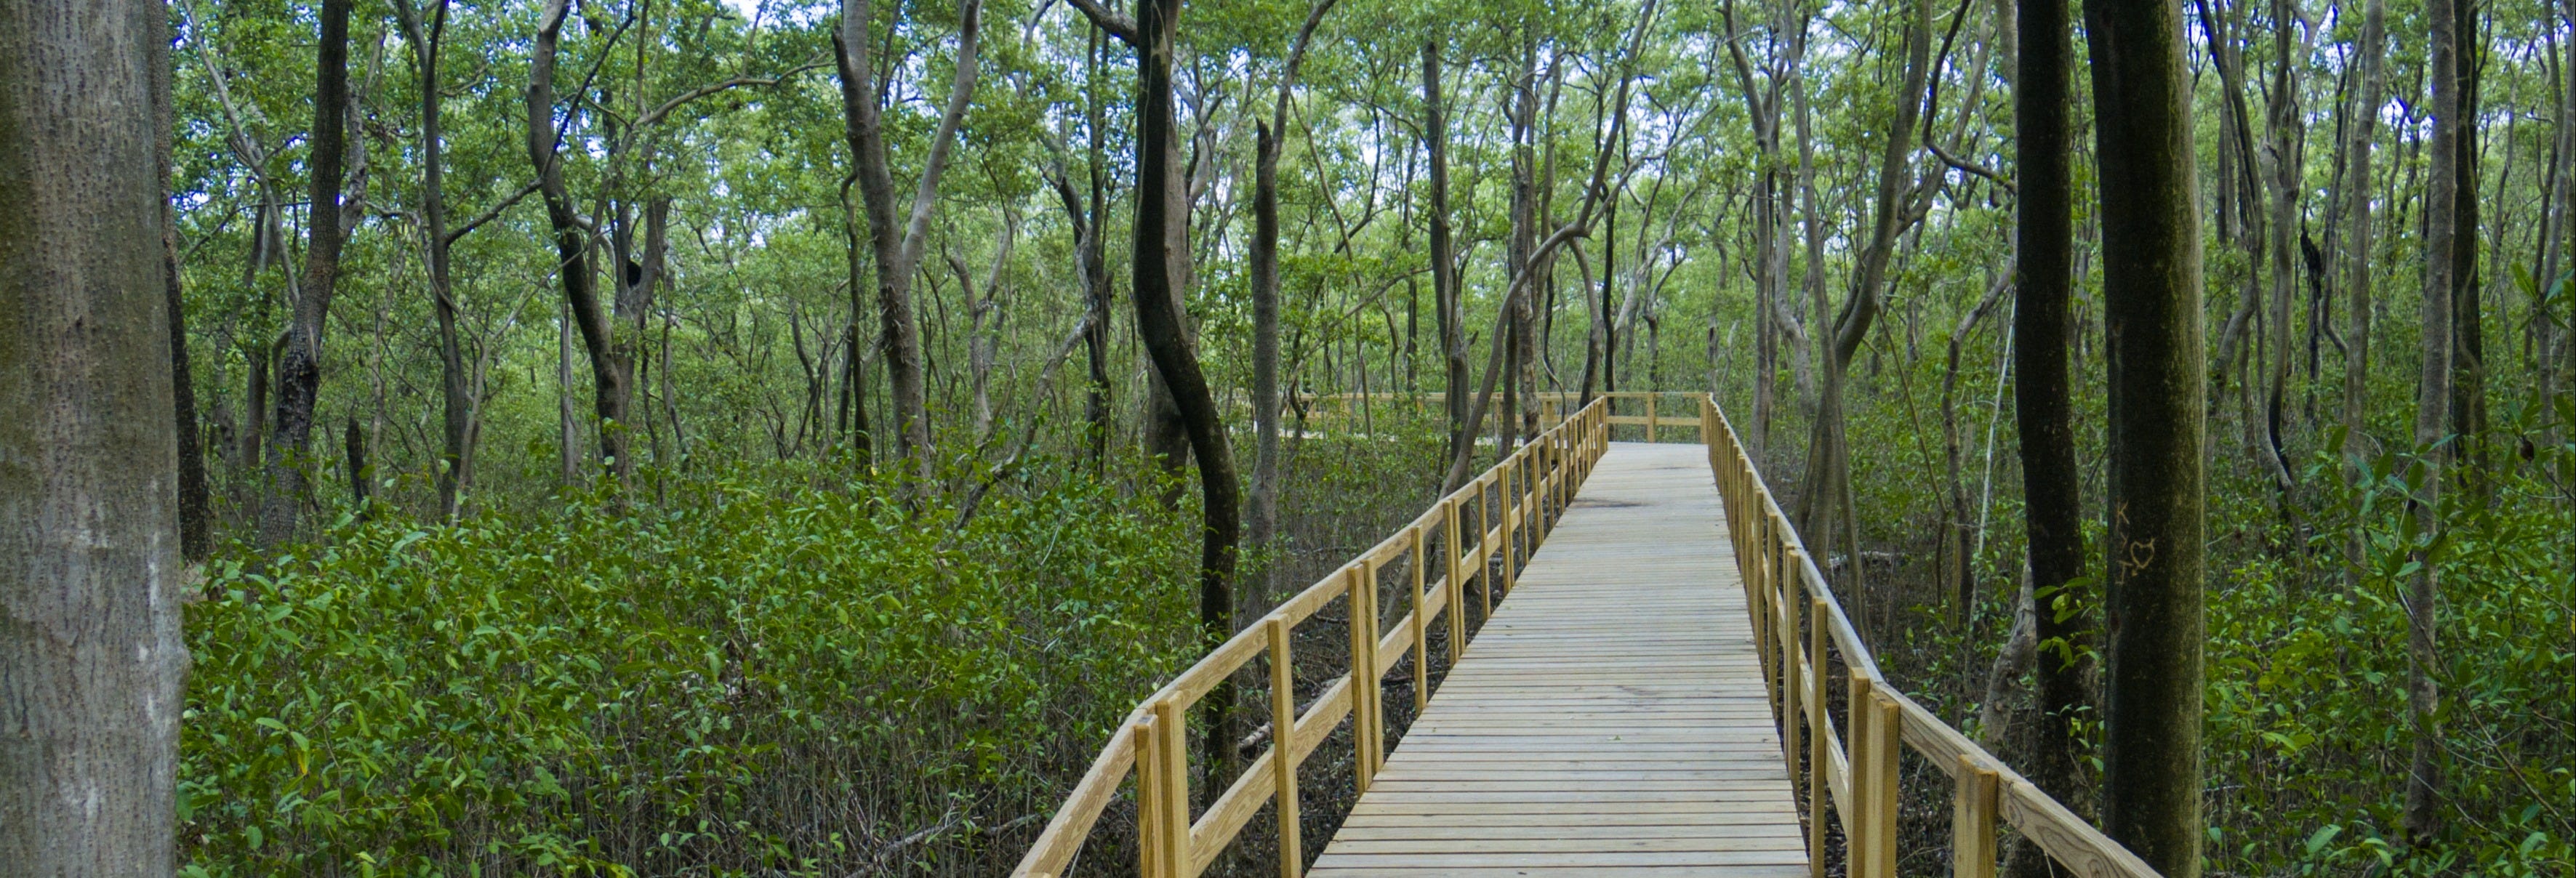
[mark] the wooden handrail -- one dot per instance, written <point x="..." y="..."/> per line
<point x="1530" y="488"/>
<point x="1857" y="770"/>
<point x="1549" y="402"/>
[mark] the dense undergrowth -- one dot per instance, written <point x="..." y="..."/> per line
<point x="2307" y="734"/>
<point x="769" y="670"/>
<point x="754" y="676"/>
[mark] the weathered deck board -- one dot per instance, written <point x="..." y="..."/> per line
<point x="1609" y="720"/>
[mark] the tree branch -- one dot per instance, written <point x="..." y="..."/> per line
<point x="1107" y="19"/>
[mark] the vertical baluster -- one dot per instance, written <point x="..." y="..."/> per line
<point x="1817" y="740"/>
<point x="1283" y="747"/>
<point x="1511" y="528"/>
<point x="1793" y="702"/>
<point x="1365" y="701"/>
<point x="1421" y="626"/>
<point x="1484" y="551"/>
<point x="1972" y="821"/>
<point x="1860" y="777"/>
<point x="1449" y="581"/>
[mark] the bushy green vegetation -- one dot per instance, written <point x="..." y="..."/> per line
<point x="755" y="676"/>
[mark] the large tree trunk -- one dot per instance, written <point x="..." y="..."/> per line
<point x="299" y="369"/>
<point x="2043" y="398"/>
<point x="573" y="252"/>
<point x="2152" y="321"/>
<point x="897" y="242"/>
<point x="2432" y="413"/>
<point x="1167" y="342"/>
<point x="91" y="659"/>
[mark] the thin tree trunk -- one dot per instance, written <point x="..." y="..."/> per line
<point x="2289" y="177"/>
<point x="196" y="536"/>
<point x="91" y="660"/>
<point x="299" y="371"/>
<point x="2043" y="398"/>
<point x="574" y="255"/>
<point x="2153" y="338"/>
<point x="455" y="470"/>
<point x="1264" y="512"/>
<point x="1444" y="271"/>
<point x="898" y="247"/>
<point x="2432" y="415"/>
<point x="2356" y="378"/>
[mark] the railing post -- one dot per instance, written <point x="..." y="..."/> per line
<point x="1421" y="626"/>
<point x="1163" y="804"/>
<point x="1283" y="746"/>
<point x="1450" y="580"/>
<point x="1365" y="702"/>
<point x="1650" y="415"/>
<point x="1972" y="821"/>
<point x="1149" y="799"/>
<point x="1887" y="737"/>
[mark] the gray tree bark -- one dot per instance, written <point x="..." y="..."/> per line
<point x="897" y="242"/>
<point x="91" y="658"/>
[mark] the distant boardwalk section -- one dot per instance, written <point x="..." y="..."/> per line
<point x="1609" y="720"/>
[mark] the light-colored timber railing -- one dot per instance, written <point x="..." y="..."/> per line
<point x="1798" y="627"/>
<point x="1509" y="508"/>
<point x="1673" y="412"/>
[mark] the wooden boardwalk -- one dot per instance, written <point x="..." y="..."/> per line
<point x="1610" y="719"/>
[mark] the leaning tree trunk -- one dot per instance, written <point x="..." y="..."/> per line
<point x="573" y="252"/>
<point x="896" y="242"/>
<point x="299" y="369"/>
<point x="91" y="659"/>
<point x="2044" y="244"/>
<point x="2153" y="338"/>
<point x="1166" y="340"/>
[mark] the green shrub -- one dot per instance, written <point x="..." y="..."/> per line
<point x="756" y="676"/>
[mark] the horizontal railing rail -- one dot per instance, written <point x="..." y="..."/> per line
<point x="1655" y="420"/>
<point x="1798" y="626"/>
<point x="1512" y="506"/>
